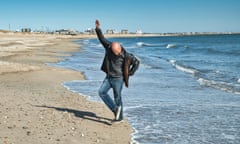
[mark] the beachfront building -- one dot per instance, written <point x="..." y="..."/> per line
<point x="109" y="31"/>
<point x="90" y="31"/>
<point x="124" y="31"/>
<point x="139" y="32"/>
<point x="66" y="32"/>
<point x="26" y="30"/>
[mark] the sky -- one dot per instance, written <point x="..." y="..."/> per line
<point x="152" y="16"/>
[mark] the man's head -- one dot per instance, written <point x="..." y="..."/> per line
<point x="116" y="48"/>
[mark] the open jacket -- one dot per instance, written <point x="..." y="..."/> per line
<point x="131" y="63"/>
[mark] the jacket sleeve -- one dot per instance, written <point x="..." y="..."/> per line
<point x="106" y="44"/>
<point x="134" y="64"/>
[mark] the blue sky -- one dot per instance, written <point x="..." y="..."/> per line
<point x="147" y="15"/>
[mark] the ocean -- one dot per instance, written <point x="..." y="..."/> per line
<point x="186" y="91"/>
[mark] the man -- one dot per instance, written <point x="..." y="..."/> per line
<point x="118" y="65"/>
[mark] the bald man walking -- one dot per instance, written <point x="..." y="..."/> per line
<point x="118" y="65"/>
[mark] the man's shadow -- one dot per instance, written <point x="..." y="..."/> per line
<point x="82" y="114"/>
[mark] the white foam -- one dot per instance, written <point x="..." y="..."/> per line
<point x="187" y="70"/>
<point x="86" y="41"/>
<point x="133" y="107"/>
<point x="146" y="66"/>
<point x="227" y="136"/>
<point x="134" y="142"/>
<point x="172" y="61"/>
<point x="95" y="45"/>
<point x="228" y="87"/>
<point x="238" y="81"/>
<point x="134" y="136"/>
<point x="171" y="46"/>
<point x="131" y="47"/>
<point x="140" y="44"/>
<point x="182" y="68"/>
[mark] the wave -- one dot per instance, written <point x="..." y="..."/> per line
<point x="222" y="52"/>
<point x="176" y="46"/>
<point x="89" y="43"/>
<point x="228" y="87"/>
<point x="86" y="41"/>
<point x="224" y="86"/>
<point x="141" y="44"/>
<point x="147" y="66"/>
<point x="171" y="46"/>
<point x="214" y="51"/>
<point x="183" y="68"/>
<point x="92" y="45"/>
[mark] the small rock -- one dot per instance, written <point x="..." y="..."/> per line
<point x="28" y="133"/>
<point x="24" y="127"/>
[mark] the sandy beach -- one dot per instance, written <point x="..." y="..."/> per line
<point x="36" y="108"/>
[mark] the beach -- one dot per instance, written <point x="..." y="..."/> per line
<point x="36" y="108"/>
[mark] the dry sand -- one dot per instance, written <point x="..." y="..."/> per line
<point x="36" y="109"/>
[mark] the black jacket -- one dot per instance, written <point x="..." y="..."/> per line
<point x="131" y="63"/>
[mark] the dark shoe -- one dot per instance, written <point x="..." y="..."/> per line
<point x="118" y="121"/>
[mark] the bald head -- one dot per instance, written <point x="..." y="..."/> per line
<point x="116" y="48"/>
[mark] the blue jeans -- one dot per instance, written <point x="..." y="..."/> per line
<point x="116" y="84"/>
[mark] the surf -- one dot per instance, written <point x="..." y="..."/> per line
<point x="142" y="44"/>
<point x="224" y="86"/>
<point x="171" y="46"/>
<point x="183" y="68"/>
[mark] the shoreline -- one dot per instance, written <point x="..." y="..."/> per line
<point x="116" y="35"/>
<point x="36" y="107"/>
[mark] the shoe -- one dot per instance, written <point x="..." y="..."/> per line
<point x="118" y="113"/>
<point x="118" y="121"/>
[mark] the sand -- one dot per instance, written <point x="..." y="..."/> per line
<point x="35" y="108"/>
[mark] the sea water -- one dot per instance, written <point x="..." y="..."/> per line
<point x="186" y="90"/>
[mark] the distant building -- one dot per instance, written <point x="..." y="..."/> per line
<point x="124" y="31"/>
<point x="90" y="31"/>
<point x="139" y="32"/>
<point x="27" y="30"/>
<point x="66" y="32"/>
<point x="110" y="31"/>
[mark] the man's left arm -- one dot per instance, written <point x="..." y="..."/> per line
<point x="106" y="44"/>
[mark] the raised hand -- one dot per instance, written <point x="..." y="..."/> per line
<point x="97" y="24"/>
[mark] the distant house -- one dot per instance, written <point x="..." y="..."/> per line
<point x="66" y="32"/>
<point x="28" y="30"/>
<point x="139" y="32"/>
<point x="90" y="31"/>
<point x="124" y="31"/>
<point x="110" y="31"/>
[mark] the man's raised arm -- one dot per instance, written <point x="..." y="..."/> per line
<point x="102" y="39"/>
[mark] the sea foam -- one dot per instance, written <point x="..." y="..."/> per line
<point x="224" y="86"/>
<point x="183" y="68"/>
<point x="171" y="46"/>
